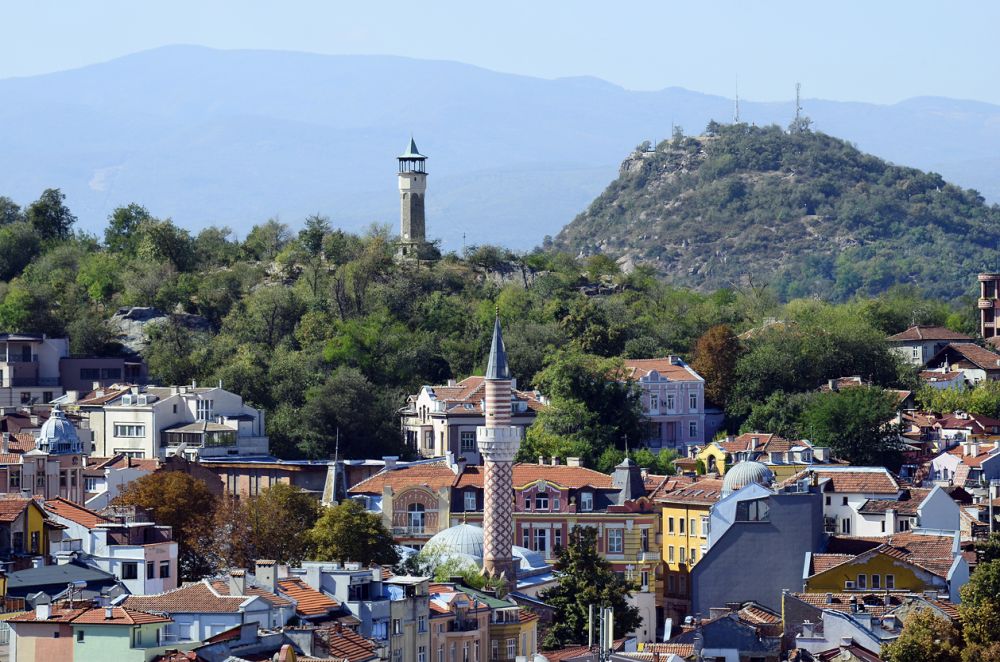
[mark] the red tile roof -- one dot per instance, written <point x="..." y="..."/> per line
<point x="222" y="588"/>
<point x="935" y="376"/>
<point x="345" y="644"/>
<point x="432" y="475"/>
<point x="876" y="604"/>
<point x="927" y="332"/>
<point x="197" y="597"/>
<point x="93" y="616"/>
<point x="310" y="602"/>
<point x="467" y="396"/>
<point x="979" y="357"/>
<point x="75" y="513"/>
<point x="824" y="562"/>
<point x="526" y="473"/>
<point x="905" y="505"/>
<point x="639" y="368"/>
<point x="104" y="396"/>
<point x="701" y="491"/>
<point x="11" y="507"/>
<point x="569" y="653"/>
<point x="122" y="461"/>
<point x="862" y="480"/>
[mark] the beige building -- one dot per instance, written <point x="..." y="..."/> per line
<point x="50" y="464"/>
<point x="409" y="615"/>
<point x="195" y="422"/>
<point x="443" y="419"/>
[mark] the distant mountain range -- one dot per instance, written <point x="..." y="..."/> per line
<point x="234" y="137"/>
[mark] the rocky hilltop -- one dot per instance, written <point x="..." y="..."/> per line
<point x="802" y="211"/>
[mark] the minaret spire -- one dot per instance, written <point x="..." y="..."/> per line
<point x="498" y="443"/>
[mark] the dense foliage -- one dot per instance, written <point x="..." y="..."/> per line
<point x="329" y="334"/>
<point x="925" y="636"/>
<point x="806" y="212"/>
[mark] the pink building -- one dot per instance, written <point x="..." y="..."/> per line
<point x="673" y="401"/>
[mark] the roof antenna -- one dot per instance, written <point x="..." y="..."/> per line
<point x="798" y="104"/>
<point x="736" y="112"/>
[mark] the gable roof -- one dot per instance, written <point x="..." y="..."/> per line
<point x="863" y="480"/>
<point x="432" y="475"/>
<point x="222" y="588"/>
<point x="75" y="513"/>
<point x="21" y="581"/>
<point x="876" y="604"/>
<point x="703" y="491"/>
<point x="310" y="602"/>
<point x="670" y="367"/>
<point x="194" y="598"/>
<point x="907" y="504"/>
<point x="346" y="644"/>
<point x="467" y="396"/>
<point x="930" y="551"/>
<point x="11" y="507"/>
<point x="92" y="616"/>
<point x="922" y="332"/>
<point x="979" y="357"/>
<point x="525" y="473"/>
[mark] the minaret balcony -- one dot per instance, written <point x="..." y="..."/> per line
<point x="498" y="444"/>
<point x="985" y="304"/>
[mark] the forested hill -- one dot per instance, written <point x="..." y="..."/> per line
<point x="802" y="211"/>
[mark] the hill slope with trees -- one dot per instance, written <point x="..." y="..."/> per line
<point x="801" y="211"/>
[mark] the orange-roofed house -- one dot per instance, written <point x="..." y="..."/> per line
<point x="125" y="543"/>
<point x="459" y="622"/>
<point x="443" y="419"/>
<point x="918" y="344"/>
<point x="86" y="634"/>
<point x="784" y="457"/>
<point x="673" y="401"/>
<point x="24" y="529"/>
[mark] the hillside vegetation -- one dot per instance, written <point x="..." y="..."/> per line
<point x="804" y="212"/>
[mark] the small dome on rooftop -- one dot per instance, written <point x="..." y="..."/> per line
<point x="744" y="473"/>
<point x="58" y="435"/>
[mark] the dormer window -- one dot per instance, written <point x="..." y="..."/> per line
<point x="586" y="501"/>
<point x="541" y="501"/>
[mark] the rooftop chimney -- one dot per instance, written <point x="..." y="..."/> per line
<point x="42" y="612"/>
<point x="574" y="462"/>
<point x="807" y="629"/>
<point x="109" y="613"/>
<point x="5" y="443"/>
<point x="555" y="461"/>
<point x="237" y="582"/>
<point x="541" y="460"/>
<point x="266" y="573"/>
<point x="390" y="461"/>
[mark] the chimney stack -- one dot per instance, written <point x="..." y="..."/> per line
<point x="266" y="573"/>
<point x="109" y="613"/>
<point x="237" y="582"/>
<point x="5" y="443"/>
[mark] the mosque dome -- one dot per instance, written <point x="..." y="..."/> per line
<point x="58" y="435"/>
<point x="744" y="473"/>
<point x="459" y="539"/>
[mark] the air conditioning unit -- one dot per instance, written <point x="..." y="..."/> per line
<point x="849" y="585"/>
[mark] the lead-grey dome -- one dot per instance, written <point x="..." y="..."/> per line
<point x="744" y="473"/>
<point x="58" y="435"/>
<point x="459" y="539"/>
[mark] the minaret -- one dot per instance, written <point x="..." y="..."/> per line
<point x="498" y="442"/>
<point x="412" y="189"/>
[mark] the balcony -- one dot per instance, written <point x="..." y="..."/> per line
<point x="411" y="525"/>
<point x="984" y="304"/>
<point x="467" y="625"/>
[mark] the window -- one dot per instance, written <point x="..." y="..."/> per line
<point x="79" y="636"/>
<point x="130" y="430"/>
<point x="586" y="501"/>
<point x="694" y="556"/>
<point x="876" y="581"/>
<point x="904" y="525"/>
<point x="46" y="396"/>
<point x="164" y="569"/>
<point x="615" y="541"/>
<point x="15" y="479"/>
<point x="704" y="527"/>
<point x="670" y="401"/>
<point x="682" y="585"/>
<point x="890" y="582"/>
<point x="397" y="626"/>
<point x="90" y="373"/>
<point x="495" y="649"/>
<point x="862" y="582"/>
<point x="752" y="511"/>
<point x="693" y="400"/>
<point x="692" y="429"/>
<point x="692" y="528"/>
<point x="883" y="525"/>
<point x="670" y="554"/>
<point x="17" y="541"/>
<point x="25" y="397"/>
<point x="421" y="624"/>
<point x="89" y="484"/>
<point x="205" y="409"/>
<point x="916" y="352"/>
<point x="428" y="439"/>
<point x="397" y="655"/>
<point x="845" y="525"/>
<point x="470" y="500"/>
<point x="555" y="501"/>
<point x="644" y="579"/>
<point x="671" y="584"/>
<point x="541" y="501"/>
<point x="441" y="653"/>
<point x="541" y="540"/>
<point x="828" y="500"/>
<point x="465" y="652"/>
<point x="475" y="648"/>
<point x="670" y="525"/>
<point x="416" y="517"/>
<point x="150" y="570"/>
<point x="511" y="648"/>
<point x="843" y="501"/>
<point x="682" y="554"/>
<point x="644" y="540"/>
<point x="680" y="523"/>
<point x="130" y="570"/>
<point x="34" y="542"/>
<point x="468" y="438"/>
<point x="557" y="539"/>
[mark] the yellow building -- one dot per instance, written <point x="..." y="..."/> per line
<point x="684" y="525"/>
<point x="783" y="457"/>
<point x="23" y="526"/>
<point x="883" y="568"/>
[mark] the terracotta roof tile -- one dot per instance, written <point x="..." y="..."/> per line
<point x="75" y="513"/>
<point x="222" y="588"/>
<point x="639" y="368"/>
<point x="345" y="644"/>
<point x="876" y="604"/>
<point x="979" y="357"/>
<point x="681" y="650"/>
<point x="922" y="332"/>
<point x="104" y="396"/>
<point x="11" y="507"/>
<point x="906" y="505"/>
<point x="703" y="491"/>
<point x="824" y="562"/>
<point x="671" y="483"/>
<point x="526" y="473"/>
<point x="310" y="602"/>
<point x="433" y="475"/>
<point x="467" y="396"/>
<point x="197" y="597"/>
<point x="861" y="480"/>
<point x="93" y="616"/>
<point x="568" y="653"/>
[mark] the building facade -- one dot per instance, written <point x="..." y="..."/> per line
<point x="673" y="401"/>
<point x="918" y="344"/>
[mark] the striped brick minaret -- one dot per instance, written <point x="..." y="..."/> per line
<point x="498" y="442"/>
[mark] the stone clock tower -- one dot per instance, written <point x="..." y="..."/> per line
<point x="412" y="190"/>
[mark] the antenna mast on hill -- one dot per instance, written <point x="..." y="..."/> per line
<point x="736" y="111"/>
<point x="798" y="105"/>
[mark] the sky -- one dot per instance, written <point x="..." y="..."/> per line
<point x="879" y="51"/>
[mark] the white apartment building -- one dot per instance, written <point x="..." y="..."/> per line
<point x="138" y="552"/>
<point x="29" y="368"/>
<point x="196" y="422"/>
<point x="673" y="401"/>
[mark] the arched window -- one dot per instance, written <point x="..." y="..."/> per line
<point x="416" y="515"/>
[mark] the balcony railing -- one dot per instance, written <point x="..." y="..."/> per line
<point x="467" y="625"/>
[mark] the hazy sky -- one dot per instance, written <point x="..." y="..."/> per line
<point x="869" y="50"/>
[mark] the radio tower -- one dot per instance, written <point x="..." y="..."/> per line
<point x="798" y="105"/>
<point x="736" y="112"/>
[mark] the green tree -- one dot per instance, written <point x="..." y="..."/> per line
<point x="988" y="550"/>
<point x="313" y="234"/>
<point x="780" y="414"/>
<point x="49" y="216"/>
<point x="265" y="241"/>
<point x="925" y="636"/>
<point x="855" y="423"/>
<point x="162" y="241"/>
<point x="980" y="609"/>
<point x="19" y="245"/>
<point x="10" y="211"/>
<point x="586" y="578"/>
<point x="122" y="233"/>
<point x="100" y="275"/>
<point x="715" y="357"/>
<point x="348" y="532"/>
<point x="175" y="354"/>
<point x="184" y="503"/>
<point x="274" y="525"/>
